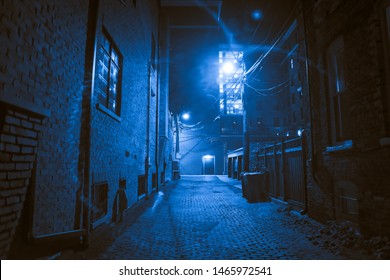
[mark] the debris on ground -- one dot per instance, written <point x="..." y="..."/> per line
<point x="341" y="238"/>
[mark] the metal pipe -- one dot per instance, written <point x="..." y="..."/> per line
<point x="90" y="67"/>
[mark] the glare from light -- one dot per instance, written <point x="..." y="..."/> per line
<point x="228" y="67"/>
<point x="208" y="157"/>
<point x="185" y="116"/>
<point x="299" y="132"/>
<point x="257" y="15"/>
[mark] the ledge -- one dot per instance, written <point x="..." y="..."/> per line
<point x="25" y="105"/>
<point x="344" y="146"/>
<point x="108" y="112"/>
<point x="58" y="236"/>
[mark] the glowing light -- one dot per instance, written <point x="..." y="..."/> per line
<point x="185" y="116"/>
<point x="299" y="132"/>
<point x="208" y="157"/>
<point x="257" y="15"/>
<point x="228" y="67"/>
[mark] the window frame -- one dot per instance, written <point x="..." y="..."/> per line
<point x="337" y="91"/>
<point x="110" y="60"/>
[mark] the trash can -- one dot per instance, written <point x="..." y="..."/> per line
<point x="255" y="186"/>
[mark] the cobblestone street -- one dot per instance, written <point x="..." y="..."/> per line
<point x="202" y="217"/>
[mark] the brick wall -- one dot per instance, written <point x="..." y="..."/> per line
<point x="19" y="138"/>
<point x="364" y="168"/>
<point x="42" y="75"/>
<point x="119" y="148"/>
<point x="42" y="59"/>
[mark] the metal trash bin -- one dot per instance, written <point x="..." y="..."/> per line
<point x="255" y="186"/>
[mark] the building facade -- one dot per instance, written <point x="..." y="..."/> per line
<point x="348" y="57"/>
<point x="84" y="125"/>
<point x="316" y="112"/>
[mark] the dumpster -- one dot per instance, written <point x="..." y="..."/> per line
<point x="255" y="186"/>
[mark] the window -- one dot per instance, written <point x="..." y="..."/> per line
<point x="339" y="111"/>
<point x="109" y="75"/>
<point x="99" y="201"/>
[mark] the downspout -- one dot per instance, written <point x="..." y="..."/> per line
<point x="310" y="132"/>
<point x="147" y="158"/>
<point x="156" y="150"/>
<point x="90" y="69"/>
<point x="177" y="135"/>
<point x="246" y="141"/>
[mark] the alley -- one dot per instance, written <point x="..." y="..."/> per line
<point x="202" y="217"/>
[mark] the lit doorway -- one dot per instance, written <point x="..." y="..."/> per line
<point x="208" y="162"/>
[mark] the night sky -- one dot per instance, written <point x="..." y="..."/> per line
<point x="194" y="52"/>
<point x="194" y="72"/>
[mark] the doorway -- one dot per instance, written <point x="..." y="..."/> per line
<point x="208" y="163"/>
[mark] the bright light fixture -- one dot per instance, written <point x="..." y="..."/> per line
<point x="185" y="116"/>
<point x="257" y="15"/>
<point x="228" y="67"/>
<point x="206" y="157"/>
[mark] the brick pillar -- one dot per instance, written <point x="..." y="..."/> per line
<point x="19" y="130"/>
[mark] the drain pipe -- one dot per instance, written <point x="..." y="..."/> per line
<point x="90" y="67"/>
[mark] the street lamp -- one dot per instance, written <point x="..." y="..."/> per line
<point x="228" y="67"/>
<point x="185" y="116"/>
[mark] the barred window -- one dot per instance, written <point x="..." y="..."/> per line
<point x="109" y="74"/>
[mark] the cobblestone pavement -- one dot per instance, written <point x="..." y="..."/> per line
<point x="202" y="217"/>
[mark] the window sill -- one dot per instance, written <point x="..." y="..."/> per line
<point x="344" y="146"/>
<point x="108" y="112"/>
<point x="25" y="105"/>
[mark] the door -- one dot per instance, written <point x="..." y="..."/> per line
<point x="208" y="164"/>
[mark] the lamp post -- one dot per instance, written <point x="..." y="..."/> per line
<point x="184" y="116"/>
<point x="177" y="116"/>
